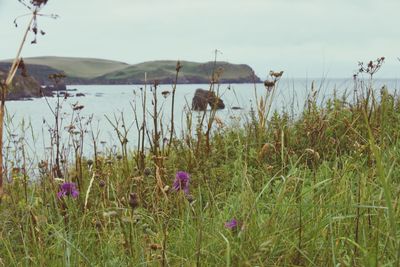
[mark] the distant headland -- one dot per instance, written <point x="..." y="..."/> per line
<point x="101" y="71"/>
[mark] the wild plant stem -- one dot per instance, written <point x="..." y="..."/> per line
<point x="4" y="90"/>
<point x="172" y="107"/>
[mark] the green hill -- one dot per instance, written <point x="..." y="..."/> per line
<point x="78" y="67"/>
<point x="101" y="71"/>
<point x="191" y="72"/>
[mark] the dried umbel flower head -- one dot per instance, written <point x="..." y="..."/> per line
<point x="269" y="85"/>
<point x="276" y="74"/>
<point x="372" y="66"/>
<point x="34" y="7"/>
<point x="38" y="3"/>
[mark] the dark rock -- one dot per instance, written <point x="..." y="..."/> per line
<point x="64" y="94"/>
<point x="236" y="108"/>
<point x="80" y="94"/>
<point x="202" y="98"/>
<point x="57" y="87"/>
<point x="23" y="87"/>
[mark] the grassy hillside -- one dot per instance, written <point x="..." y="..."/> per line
<point x="78" y="67"/>
<point x="191" y="71"/>
<point x="100" y="71"/>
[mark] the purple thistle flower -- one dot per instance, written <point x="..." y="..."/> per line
<point x="68" y="189"/>
<point x="181" y="182"/>
<point x="232" y="224"/>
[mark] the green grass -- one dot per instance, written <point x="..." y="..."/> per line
<point x="78" y="67"/>
<point x="321" y="189"/>
<point x="166" y="69"/>
<point x="101" y="69"/>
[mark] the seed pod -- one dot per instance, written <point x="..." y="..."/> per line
<point x="133" y="200"/>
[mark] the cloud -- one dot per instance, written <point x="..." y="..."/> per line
<point x="300" y="35"/>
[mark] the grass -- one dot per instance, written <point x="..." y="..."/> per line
<point x="78" y="67"/>
<point x="165" y="69"/>
<point x="321" y="189"/>
<point x="108" y="70"/>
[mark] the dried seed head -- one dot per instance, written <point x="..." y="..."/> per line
<point x="133" y="200"/>
<point x="269" y="84"/>
<point x="38" y="3"/>
<point x="155" y="246"/>
<point x="165" y="94"/>
<point x="147" y="171"/>
<point x="266" y="149"/>
<point x="314" y="153"/>
<point x="102" y="183"/>
<point x="189" y="198"/>
<point x="276" y="74"/>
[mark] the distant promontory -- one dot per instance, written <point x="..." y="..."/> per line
<point x="101" y="71"/>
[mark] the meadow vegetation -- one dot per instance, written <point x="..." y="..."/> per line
<point x="318" y="189"/>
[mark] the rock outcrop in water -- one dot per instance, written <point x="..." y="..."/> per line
<point x="24" y="87"/>
<point x="202" y="98"/>
<point x="31" y="83"/>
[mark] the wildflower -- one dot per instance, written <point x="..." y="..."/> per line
<point x="181" y="182"/>
<point x="68" y="189"/>
<point x="232" y="224"/>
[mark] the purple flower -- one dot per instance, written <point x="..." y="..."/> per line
<point x="181" y="182"/>
<point x="68" y="189"/>
<point x="232" y="224"/>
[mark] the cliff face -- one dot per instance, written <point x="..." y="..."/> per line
<point x="39" y="72"/>
<point x="22" y="87"/>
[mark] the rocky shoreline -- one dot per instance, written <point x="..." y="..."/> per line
<point x="32" y="81"/>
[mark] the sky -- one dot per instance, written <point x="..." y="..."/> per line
<point x="305" y="38"/>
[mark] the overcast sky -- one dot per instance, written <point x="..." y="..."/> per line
<point x="305" y="38"/>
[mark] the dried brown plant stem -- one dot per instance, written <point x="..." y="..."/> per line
<point x="178" y="67"/>
<point x="211" y="89"/>
<point x="4" y="90"/>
